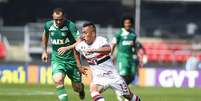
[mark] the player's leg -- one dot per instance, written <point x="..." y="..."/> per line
<point x="96" y="92"/>
<point x="131" y="97"/>
<point x="58" y="78"/>
<point x="79" y="87"/>
<point x="76" y="79"/>
<point x="123" y="67"/>
<point x="127" y="69"/>
<point x="122" y="89"/>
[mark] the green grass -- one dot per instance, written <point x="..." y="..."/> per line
<point x="10" y="92"/>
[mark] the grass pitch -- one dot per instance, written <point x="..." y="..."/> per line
<point x="17" y="92"/>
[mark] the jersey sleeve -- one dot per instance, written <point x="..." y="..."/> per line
<point x="78" y="48"/>
<point x="73" y="29"/>
<point x="116" y="37"/>
<point x="103" y="41"/>
<point x="114" y="40"/>
<point x="46" y="27"/>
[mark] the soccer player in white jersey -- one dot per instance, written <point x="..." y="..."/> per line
<point x="96" y="51"/>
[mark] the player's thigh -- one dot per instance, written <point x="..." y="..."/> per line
<point x="97" y="87"/>
<point x="58" y="73"/>
<point x="126" y="67"/>
<point x="74" y="74"/>
<point x="123" y="66"/>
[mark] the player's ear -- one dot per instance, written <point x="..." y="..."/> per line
<point x="52" y="15"/>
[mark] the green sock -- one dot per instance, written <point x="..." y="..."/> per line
<point x="61" y="93"/>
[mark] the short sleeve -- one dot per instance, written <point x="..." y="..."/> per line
<point x="116" y="37"/>
<point x="114" y="40"/>
<point x="103" y="41"/>
<point x="46" y="29"/>
<point x="73" y="29"/>
<point x="77" y="47"/>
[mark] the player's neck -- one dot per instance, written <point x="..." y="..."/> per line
<point x="91" y="41"/>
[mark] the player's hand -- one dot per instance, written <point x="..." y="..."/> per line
<point x="62" y="50"/>
<point x="44" y="57"/>
<point x="83" y="70"/>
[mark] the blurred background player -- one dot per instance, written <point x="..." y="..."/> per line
<point x="96" y="51"/>
<point x="125" y="41"/>
<point x="192" y="62"/>
<point x="63" y="34"/>
<point x="126" y="55"/>
<point x="140" y="55"/>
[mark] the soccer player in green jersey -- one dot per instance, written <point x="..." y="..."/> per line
<point x="124" y="41"/>
<point x="63" y="34"/>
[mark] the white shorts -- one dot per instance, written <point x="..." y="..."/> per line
<point x="105" y="74"/>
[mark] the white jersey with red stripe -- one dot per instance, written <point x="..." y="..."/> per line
<point x="92" y="58"/>
<point x="105" y="73"/>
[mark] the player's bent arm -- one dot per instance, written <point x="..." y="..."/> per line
<point x="106" y="49"/>
<point x="73" y="45"/>
<point x="113" y="45"/>
<point x="77" y="58"/>
<point x="45" y="41"/>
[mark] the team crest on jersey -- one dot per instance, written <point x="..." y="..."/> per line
<point x="52" y="28"/>
<point x="63" y="34"/>
<point x="52" y="33"/>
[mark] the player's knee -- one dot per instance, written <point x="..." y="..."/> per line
<point x="93" y="88"/>
<point x="59" y="81"/>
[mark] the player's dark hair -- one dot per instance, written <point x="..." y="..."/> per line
<point x="127" y="17"/>
<point x="89" y="24"/>
<point x="58" y="10"/>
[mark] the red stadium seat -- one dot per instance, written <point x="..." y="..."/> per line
<point x="164" y="51"/>
<point x="2" y="51"/>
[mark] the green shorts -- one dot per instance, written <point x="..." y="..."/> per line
<point x="126" y="66"/>
<point x="67" y="68"/>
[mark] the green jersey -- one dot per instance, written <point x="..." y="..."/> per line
<point x="61" y="37"/>
<point x="125" y="43"/>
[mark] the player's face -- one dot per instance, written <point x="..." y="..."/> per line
<point x="59" y="19"/>
<point x="88" y="34"/>
<point x="128" y="24"/>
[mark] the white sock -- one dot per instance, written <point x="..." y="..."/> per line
<point x="119" y="97"/>
<point x="135" y="98"/>
<point x="96" y="96"/>
<point x="125" y="100"/>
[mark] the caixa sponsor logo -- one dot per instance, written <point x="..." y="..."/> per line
<point x="174" y="78"/>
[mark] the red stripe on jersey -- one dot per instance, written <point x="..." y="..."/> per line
<point x="100" y="56"/>
<point x="136" y="99"/>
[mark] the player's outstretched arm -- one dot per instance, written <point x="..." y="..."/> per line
<point x="44" y="43"/>
<point x="62" y="50"/>
<point x="106" y="49"/>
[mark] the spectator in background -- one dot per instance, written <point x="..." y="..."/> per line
<point x="191" y="28"/>
<point x="192" y="62"/>
<point x="141" y="54"/>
